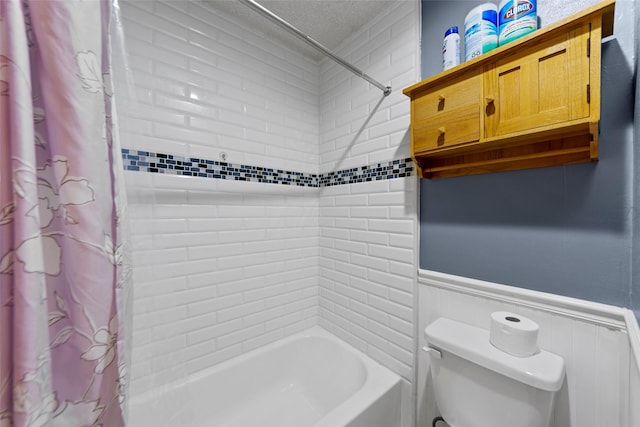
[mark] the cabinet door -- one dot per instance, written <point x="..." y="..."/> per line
<point x="447" y="114"/>
<point x="541" y="86"/>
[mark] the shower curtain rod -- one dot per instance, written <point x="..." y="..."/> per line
<point x="305" y="38"/>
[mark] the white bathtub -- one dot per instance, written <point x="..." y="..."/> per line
<point x="311" y="379"/>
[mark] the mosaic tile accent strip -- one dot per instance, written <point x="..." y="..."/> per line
<point x="376" y="172"/>
<point x="145" y="161"/>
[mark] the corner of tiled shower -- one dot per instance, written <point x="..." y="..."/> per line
<point x="225" y="263"/>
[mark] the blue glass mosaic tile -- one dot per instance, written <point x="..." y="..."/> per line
<point x="145" y="161"/>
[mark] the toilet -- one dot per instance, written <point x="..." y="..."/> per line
<point x="478" y="385"/>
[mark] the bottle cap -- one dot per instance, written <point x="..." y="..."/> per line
<point x="451" y="30"/>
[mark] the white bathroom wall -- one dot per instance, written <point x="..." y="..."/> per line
<point x="592" y="338"/>
<point x="207" y="84"/>
<point x="634" y="395"/>
<point x="368" y="237"/>
<point x="220" y="267"/>
<point x="367" y="270"/>
<point x="356" y="127"/>
<point x="634" y="368"/>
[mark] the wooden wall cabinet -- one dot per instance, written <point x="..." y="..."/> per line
<point x="534" y="102"/>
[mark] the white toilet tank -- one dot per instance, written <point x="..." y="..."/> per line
<point x="478" y="385"/>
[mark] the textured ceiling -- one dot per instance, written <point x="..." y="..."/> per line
<point x="328" y="22"/>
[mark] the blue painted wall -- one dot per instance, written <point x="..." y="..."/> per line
<point x="567" y="230"/>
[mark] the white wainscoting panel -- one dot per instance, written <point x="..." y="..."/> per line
<point x="634" y="396"/>
<point x="634" y="368"/>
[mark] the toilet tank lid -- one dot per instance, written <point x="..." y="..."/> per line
<point x="543" y="370"/>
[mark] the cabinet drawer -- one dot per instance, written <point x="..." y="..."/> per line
<point x="448" y="97"/>
<point x="447" y="129"/>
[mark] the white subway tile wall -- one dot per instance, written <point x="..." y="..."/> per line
<point x="367" y="268"/>
<point x="205" y="84"/>
<point x="219" y="268"/>
<point x="217" y="272"/>
<point x="357" y="126"/>
<point x="222" y="267"/>
<point x="368" y="234"/>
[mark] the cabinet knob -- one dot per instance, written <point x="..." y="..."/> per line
<point x="489" y="99"/>
<point x="441" y="130"/>
<point x="441" y="98"/>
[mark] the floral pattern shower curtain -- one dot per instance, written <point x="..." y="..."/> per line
<point x="63" y="270"/>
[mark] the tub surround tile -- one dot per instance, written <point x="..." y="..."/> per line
<point x="367" y="278"/>
<point x="146" y="161"/>
<point x="205" y="84"/>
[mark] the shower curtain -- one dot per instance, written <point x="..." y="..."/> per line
<point x="64" y="268"/>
